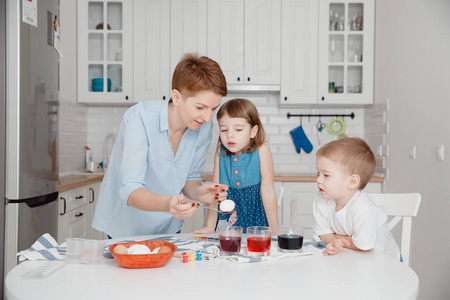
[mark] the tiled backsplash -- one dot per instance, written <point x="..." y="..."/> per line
<point x="104" y="120"/>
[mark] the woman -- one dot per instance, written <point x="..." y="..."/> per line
<point x="159" y="153"/>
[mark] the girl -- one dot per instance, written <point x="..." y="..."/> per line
<point x="245" y="164"/>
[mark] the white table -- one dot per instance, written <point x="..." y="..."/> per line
<point x="347" y="275"/>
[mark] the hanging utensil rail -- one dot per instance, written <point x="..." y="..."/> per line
<point x="352" y="115"/>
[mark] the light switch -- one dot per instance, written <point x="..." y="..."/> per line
<point x="412" y="152"/>
<point x="440" y="152"/>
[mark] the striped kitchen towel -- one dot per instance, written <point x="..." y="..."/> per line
<point x="45" y="248"/>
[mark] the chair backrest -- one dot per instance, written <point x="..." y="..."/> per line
<point x="400" y="206"/>
<point x="279" y="191"/>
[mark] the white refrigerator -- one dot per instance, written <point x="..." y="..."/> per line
<point x="30" y="95"/>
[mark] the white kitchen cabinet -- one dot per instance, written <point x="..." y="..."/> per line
<point x="93" y="191"/>
<point x="244" y="38"/>
<point x="105" y="51"/>
<point x="299" y="34"/>
<point x="72" y="221"/>
<point x="304" y="194"/>
<point x="76" y="212"/>
<point x="188" y="24"/>
<point x="151" y="59"/>
<point x="346" y="52"/>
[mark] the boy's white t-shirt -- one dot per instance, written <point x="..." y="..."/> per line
<point x="361" y="219"/>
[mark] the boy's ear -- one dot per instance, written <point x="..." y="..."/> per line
<point x="354" y="181"/>
<point x="254" y="131"/>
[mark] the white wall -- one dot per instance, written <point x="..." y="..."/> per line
<point x="104" y="120"/>
<point x="412" y="69"/>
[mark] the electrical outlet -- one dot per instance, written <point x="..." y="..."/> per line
<point x="440" y="152"/>
<point x="412" y="152"/>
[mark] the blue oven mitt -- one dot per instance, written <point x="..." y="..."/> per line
<point x="300" y="140"/>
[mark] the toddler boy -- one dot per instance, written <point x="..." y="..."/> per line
<point x="344" y="215"/>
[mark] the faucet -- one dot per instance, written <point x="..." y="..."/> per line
<point x="106" y="149"/>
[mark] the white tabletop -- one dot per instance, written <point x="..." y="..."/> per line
<point x="347" y="275"/>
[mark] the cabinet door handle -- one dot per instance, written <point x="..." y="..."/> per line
<point x="126" y="97"/>
<point x="239" y="78"/>
<point x="93" y="195"/>
<point x="323" y="98"/>
<point x="78" y="215"/>
<point x="164" y="97"/>
<point x="79" y="197"/>
<point x="285" y="98"/>
<point x="64" y="201"/>
<point x="248" y="79"/>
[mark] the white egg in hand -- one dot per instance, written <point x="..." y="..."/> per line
<point x="227" y="205"/>
<point x="139" y="249"/>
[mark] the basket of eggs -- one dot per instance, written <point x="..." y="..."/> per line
<point x="145" y="254"/>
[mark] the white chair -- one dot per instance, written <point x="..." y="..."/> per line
<point x="400" y="206"/>
<point x="279" y="191"/>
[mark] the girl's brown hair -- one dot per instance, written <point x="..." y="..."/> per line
<point x="353" y="155"/>
<point x="243" y="108"/>
<point x="194" y="74"/>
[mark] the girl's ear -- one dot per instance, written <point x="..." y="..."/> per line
<point x="176" y="97"/>
<point x="354" y="181"/>
<point x="254" y="131"/>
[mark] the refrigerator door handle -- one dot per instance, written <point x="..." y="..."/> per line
<point x="64" y="212"/>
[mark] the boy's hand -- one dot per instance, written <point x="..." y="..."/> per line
<point x="336" y="246"/>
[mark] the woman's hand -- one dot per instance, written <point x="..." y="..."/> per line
<point x="180" y="209"/>
<point x="212" y="192"/>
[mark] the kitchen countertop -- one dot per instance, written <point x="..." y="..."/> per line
<point x="75" y="180"/>
<point x="298" y="178"/>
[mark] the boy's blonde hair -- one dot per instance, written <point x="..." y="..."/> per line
<point x="353" y="155"/>
<point x="243" y="108"/>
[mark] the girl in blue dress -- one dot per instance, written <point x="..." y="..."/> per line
<point x="244" y="163"/>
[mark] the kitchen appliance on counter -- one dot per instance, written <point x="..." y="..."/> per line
<point x="30" y="95"/>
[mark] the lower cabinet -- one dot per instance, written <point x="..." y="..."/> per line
<point x="76" y="212"/>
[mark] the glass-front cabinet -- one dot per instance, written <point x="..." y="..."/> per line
<point x="346" y="52"/>
<point x="104" y="51"/>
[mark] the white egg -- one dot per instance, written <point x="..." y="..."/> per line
<point x="227" y="205"/>
<point x="139" y="249"/>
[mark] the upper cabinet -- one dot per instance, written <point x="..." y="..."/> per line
<point x="105" y="51"/>
<point x="327" y="52"/>
<point x="346" y="52"/>
<point x="151" y="48"/>
<point x="188" y="24"/>
<point x="244" y="37"/>
<point x="299" y="21"/>
<point x="312" y="51"/>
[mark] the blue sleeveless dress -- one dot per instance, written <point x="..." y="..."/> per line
<point x="242" y="175"/>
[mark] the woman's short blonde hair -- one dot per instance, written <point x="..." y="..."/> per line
<point x="353" y="155"/>
<point x="195" y="74"/>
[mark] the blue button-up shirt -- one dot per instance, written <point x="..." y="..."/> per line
<point x="142" y="157"/>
